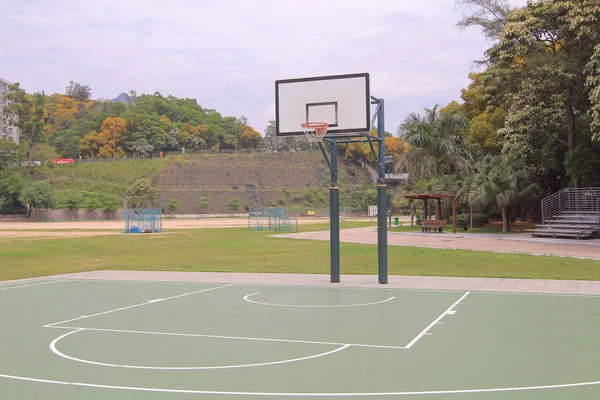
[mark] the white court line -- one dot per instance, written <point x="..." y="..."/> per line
<point x="231" y="337"/>
<point x="60" y="354"/>
<point x="133" y="306"/>
<point x="326" y="286"/>
<point x="32" y="284"/>
<point x="247" y="298"/>
<point x="297" y="394"/>
<point x="448" y="311"/>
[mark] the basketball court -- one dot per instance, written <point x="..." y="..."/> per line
<point x="72" y="337"/>
<point x="142" y="335"/>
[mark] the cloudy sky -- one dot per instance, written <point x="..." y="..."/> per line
<point x="228" y="53"/>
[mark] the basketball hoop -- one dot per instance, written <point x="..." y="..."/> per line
<point x="315" y="131"/>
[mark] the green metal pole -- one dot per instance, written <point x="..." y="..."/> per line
<point x="334" y="218"/>
<point x="382" y="256"/>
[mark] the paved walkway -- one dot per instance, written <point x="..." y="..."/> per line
<point x="362" y="281"/>
<point x="513" y="243"/>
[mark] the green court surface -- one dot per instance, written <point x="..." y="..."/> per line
<point x="76" y="339"/>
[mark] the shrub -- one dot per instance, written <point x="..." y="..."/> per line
<point x="495" y="216"/>
<point x="463" y="221"/>
<point x="479" y="220"/>
<point x="419" y="217"/>
<point x="234" y="204"/>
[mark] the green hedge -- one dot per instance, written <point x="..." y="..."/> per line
<point x="464" y="220"/>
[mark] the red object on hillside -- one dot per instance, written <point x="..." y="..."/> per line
<point x="62" y="161"/>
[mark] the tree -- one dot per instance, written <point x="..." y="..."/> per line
<point x="110" y="202"/>
<point x="490" y="15"/>
<point x="583" y="163"/>
<point x="78" y="92"/>
<point x="173" y="205"/>
<point x="369" y="198"/>
<point x="65" y="112"/>
<point x="503" y="183"/>
<point x="436" y="144"/>
<point x="91" y="203"/>
<point x="141" y="194"/>
<point x="10" y="153"/>
<point x="250" y="138"/>
<point x="593" y="84"/>
<point x="193" y="136"/>
<point x="90" y="145"/>
<point x="67" y="143"/>
<point x="203" y="203"/>
<point x="110" y="136"/>
<point x="36" y="194"/>
<point x="540" y="65"/>
<point x="141" y="147"/>
<point x="275" y="144"/>
<point x="10" y="186"/>
<point x="27" y="113"/>
<point x="315" y="197"/>
<point x="72" y="204"/>
<point x="234" y="204"/>
<point x="3" y="201"/>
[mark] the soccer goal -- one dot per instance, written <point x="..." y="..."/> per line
<point x="143" y="220"/>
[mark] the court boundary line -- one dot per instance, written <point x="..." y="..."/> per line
<point x="74" y="329"/>
<point x="247" y="298"/>
<point x="435" y="321"/>
<point x="134" y="306"/>
<point x="216" y="367"/>
<point x="32" y="284"/>
<point x="298" y="394"/>
<point x="328" y="286"/>
<point x="232" y="337"/>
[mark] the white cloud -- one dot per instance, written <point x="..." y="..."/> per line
<point x="227" y="54"/>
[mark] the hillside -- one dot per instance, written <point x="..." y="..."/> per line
<point x="280" y="179"/>
<point x="293" y="180"/>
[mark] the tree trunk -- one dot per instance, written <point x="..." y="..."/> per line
<point x="29" y="151"/>
<point x="571" y="128"/>
<point x="470" y="215"/>
<point x="505" y="219"/>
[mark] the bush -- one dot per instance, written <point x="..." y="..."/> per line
<point x="495" y="216"/>
<point x="463" y="221"/>
<point x="234" y="204"/>
<point x="419" y="217"/>
<point x="479" y="220"/>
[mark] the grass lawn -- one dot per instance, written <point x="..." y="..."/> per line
<point x="241" y="250"/>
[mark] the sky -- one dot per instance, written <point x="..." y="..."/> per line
<point x="227" y="54"/>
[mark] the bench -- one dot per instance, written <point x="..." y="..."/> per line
<point x="436" y="224"/>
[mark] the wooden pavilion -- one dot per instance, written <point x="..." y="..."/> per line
<point x="436" y="224"/>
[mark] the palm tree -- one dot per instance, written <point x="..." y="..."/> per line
<point x="437" y="144"/>
<point x="502" y="183"/>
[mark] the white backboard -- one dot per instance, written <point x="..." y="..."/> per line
<point x="343" y="101"/>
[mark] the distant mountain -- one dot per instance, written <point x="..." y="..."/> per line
<point x="123" y="98"/>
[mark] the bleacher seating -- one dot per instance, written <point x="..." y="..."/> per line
<point x="570" y="224"/>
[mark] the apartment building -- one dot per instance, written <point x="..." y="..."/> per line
<point x="7" y="131"/>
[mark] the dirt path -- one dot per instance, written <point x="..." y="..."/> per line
<point x="99" y="228"/>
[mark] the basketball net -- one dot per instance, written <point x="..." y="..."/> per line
<point x="315" y="131"/>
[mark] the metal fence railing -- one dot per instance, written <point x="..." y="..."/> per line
<point x="584" y="200"/>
